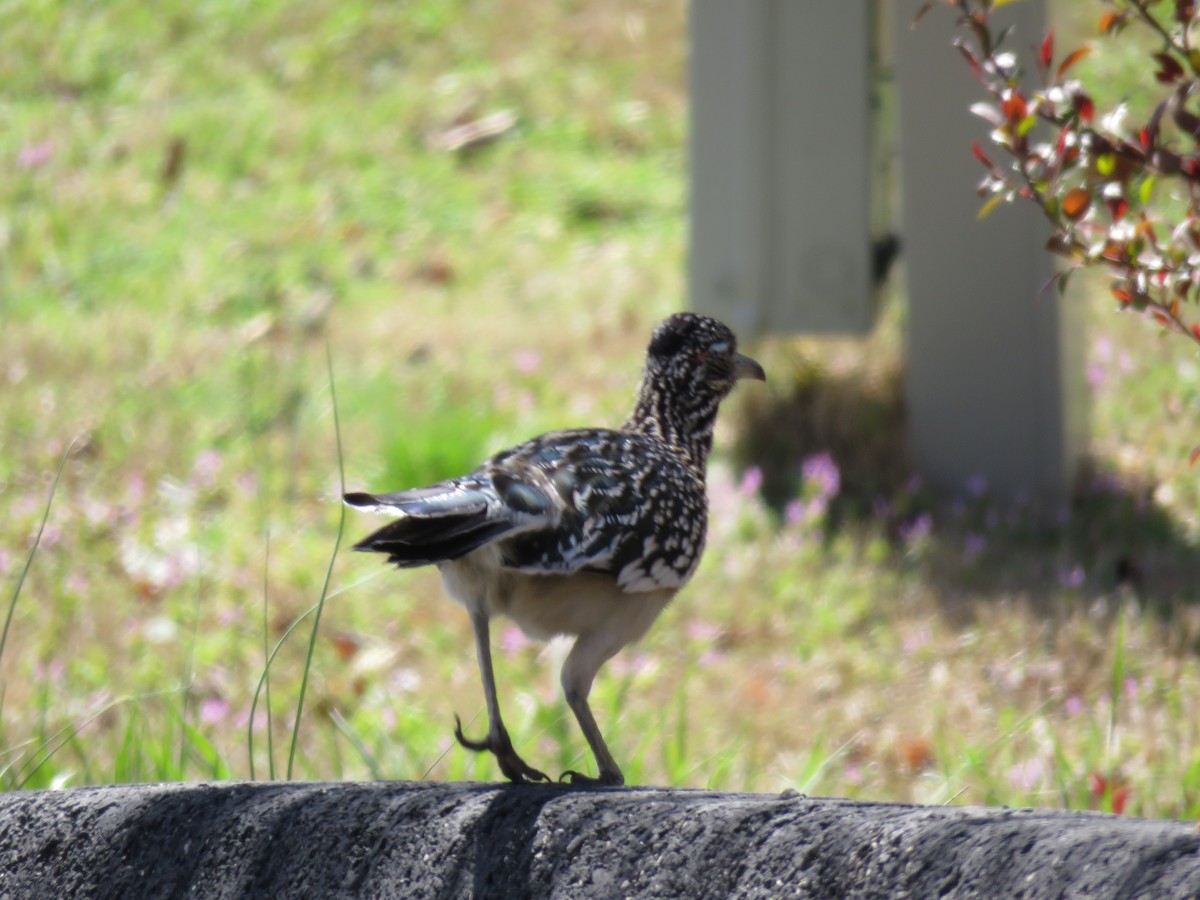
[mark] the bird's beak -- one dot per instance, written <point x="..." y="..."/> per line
<point x="745" y="367"/>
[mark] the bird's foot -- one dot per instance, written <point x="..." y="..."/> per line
<point x="514" y="768"/>
<point x="606" y="779"/>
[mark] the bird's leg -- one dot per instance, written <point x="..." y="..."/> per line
<point x="579" y="671"/>
<point x="497" y="741"/>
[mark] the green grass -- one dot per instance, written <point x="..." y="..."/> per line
<point x="177" y="328"/>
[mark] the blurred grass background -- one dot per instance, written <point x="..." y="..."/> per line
<point x="201" y="198"/>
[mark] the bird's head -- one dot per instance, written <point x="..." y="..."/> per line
<point x="695" y="356"/>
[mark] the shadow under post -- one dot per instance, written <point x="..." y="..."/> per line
<point x="1111" y="541"/>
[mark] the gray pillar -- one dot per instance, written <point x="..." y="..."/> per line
<point x="992" y="368"/>
<point x="781" y="164"/>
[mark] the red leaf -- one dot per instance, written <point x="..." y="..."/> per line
<point x="971" y="60"/>
<point x="1076" y="203"/>
<point x="915" y="753"/>
<point x="1123" y="296"/>
<point x="1073" y="57"/>
<point x="1014" y="106"/>
<point x="920" y="13"/>
<point x="1100" y="787"/>
<point x="1048" y="49"/>
<point x="1109" y="21"/>
<point x="345" y="645"/>
<point x="1169" y="68"/>
<point x="1148" y="136"/>
<point x="1196" y="332"/>
<point x="1115" y="252"/>
<point x="1195" y="450"/>
<point x="1120" y="796"/>
<point x="1059" y="244"/>
<point x="1117" y="207"/>
<point x="981" y="156"/>
<point x="1084" y="107"/>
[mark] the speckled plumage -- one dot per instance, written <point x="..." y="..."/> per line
<point x="587" y="532"/>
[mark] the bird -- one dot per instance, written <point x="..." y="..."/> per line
<point x="587" y="533"/>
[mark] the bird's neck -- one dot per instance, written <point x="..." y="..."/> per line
<point x="684" y="424"/>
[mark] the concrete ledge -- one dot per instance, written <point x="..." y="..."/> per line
<point x="457" y="840"/>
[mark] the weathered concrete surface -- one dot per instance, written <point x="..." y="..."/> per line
<point x="459" y="840"/>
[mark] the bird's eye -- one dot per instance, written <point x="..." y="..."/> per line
<point x="719" y="347"/>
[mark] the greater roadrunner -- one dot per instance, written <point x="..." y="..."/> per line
<point x="588" y="532"/>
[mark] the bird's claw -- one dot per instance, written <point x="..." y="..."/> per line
<point x="514" y="768"/>
<point x="518" y="771"/>
<point x="477" y="746"/>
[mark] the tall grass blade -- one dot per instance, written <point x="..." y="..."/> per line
<point x="356" y="741"/>
<point x="316" y="625"/>
<point x="189" y="676"/>
<point x="1118" y="680"/>
<point x="12" y="605"/>
<point x="64" y="735"/>
<point x="262" y="679"/>
<point x="267" y="685"/>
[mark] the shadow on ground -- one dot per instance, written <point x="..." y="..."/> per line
<point x="1111" y="537"/>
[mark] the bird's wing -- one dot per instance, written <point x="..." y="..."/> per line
<point x="619" y="503"/>
<point x="594" y="500"/>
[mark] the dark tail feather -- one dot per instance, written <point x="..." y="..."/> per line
<point x="436" y="524"/>
<point x="416" y="542"/>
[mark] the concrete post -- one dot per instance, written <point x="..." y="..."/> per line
<point x="781" y="164"/>
<point x="992" y="361"/>
<point x="782" y="151"/>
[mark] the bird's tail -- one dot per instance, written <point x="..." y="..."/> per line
<point x="434" y="524"/>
